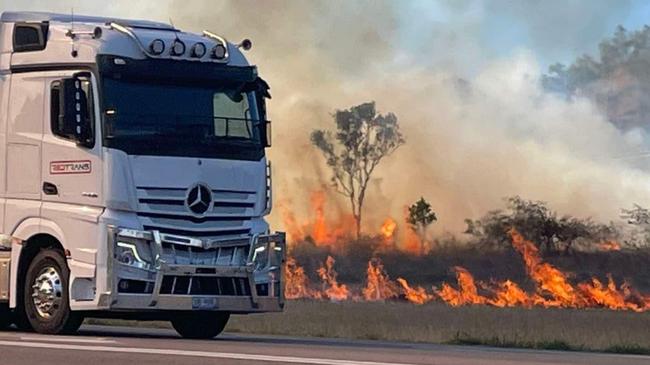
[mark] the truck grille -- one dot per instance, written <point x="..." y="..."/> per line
<point x="165" y="210"/>
<point x="217" y="256"/>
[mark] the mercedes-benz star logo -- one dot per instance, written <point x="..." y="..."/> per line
<point x="199" y="199"/>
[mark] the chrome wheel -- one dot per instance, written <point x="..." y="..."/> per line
<point x="47" y="292"/>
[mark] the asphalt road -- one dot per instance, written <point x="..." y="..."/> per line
<point x="136" y="346"/>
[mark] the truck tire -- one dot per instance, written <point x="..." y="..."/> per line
<point x="46" y="298"/>
<point x="5" y="316"/>
<point x="200" y="325"/>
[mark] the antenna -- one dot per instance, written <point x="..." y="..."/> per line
<point x="74" y="52"/>
<point x="175" y="30"/>
<point x="173" y="51"/>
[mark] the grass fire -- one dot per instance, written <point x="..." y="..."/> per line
<point x="544" y="285"/>
<point x="552" y="289"/>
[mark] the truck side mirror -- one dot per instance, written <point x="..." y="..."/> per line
<point x="262" y="93"/>
<point x="266" y="133"/>
<point x="76" y="121"/>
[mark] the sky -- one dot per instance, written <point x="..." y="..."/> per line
<point x="462" y="77"/>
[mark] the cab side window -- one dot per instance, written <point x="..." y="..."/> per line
<point x="57" y="110"/>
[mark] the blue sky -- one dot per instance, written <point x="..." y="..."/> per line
<point x="553" y="30"/>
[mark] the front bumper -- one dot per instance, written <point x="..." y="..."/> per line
<point x="186" y="273"/>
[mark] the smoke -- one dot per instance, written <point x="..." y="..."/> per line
<point x="470" y="141"/>
<point x="477" y="124"/>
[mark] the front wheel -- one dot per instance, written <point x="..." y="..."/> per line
<point x="200" y="325"/>
<point x="5" y="316"/>
<point x="46" y="298"/>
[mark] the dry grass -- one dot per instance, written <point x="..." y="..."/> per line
<point x="557" y="329"/>
<point x="597" y="330"/>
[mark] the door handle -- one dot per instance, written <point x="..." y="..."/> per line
<point x="50" y="189"/>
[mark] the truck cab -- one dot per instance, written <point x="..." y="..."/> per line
<point x="134" y="179"/>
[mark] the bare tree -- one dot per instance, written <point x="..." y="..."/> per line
<point x="420" y="218"/>
<point x="362" y="139"/>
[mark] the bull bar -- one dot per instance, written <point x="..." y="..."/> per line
<point x="254" y="280"/>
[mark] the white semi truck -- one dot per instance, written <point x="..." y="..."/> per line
<point x="133" y="176"/>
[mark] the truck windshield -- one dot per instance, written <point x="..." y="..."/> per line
<point x="180" y="120"/>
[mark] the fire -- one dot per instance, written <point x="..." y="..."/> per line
<point x="320" y="233"/>
<point x="331" y="288"/>
<point x="320" y="228"/>
<point x="553" y="282"/>
<point x="328" y="226"/>
<point x="388" y="228"/>
<point x="550" y="280"/>
<point x="509" y="294"/>
<point x="605" y="296"/>
<point x="467" y="292"/>
<point x="378" y="285"/>
<point x="417" y="295"/>
<point x="412" y="242"/>
<point x="610" y="246"/>
<point x="296" y="282"/>
<point x="553" y="287"/>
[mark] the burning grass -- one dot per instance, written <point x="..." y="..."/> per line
<point x="552" y="287"/>
<point x="575" y="329"/>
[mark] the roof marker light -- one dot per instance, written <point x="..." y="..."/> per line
<point x="157" y="47"/>
<point x="246" y="44"/>
<point x="198" y="50"/>
<point x="178" y="48"/>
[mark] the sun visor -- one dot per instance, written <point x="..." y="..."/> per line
<point x="174" y="71"/>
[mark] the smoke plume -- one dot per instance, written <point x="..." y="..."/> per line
<point x="477" y="124"/>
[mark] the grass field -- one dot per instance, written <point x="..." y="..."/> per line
<point x="559" y="329"/>
<point x="563" y="329"/>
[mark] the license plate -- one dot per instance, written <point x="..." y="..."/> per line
<point x="204" y="303"/>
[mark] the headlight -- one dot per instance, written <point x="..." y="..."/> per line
<point x="276" y="256"/>
<point x="267" y="256"/>
<point x="260" y="257"/>
<point x="134" y="254"/>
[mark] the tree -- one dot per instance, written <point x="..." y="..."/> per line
<point x="420" y="218"/>
<point x="540" y="225"/>
<point x="638" y="215"/>
<point x="639" y="218"/>
<point x="615" y="78"/>
<point x="362" y="139"/>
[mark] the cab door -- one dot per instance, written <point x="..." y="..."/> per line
<point x="71" y="172"/>
<point x="23" y="151"/>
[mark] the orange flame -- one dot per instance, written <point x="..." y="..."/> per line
<point x="552" y="286"/>
<point x="296" y="282"/>
<point x="608" y="297"/>
<point x="553" y="282"/>
<point x="378" y="285"/>
<point x="549" y="279"/>
<point x="320" y="233"/>
<point x="417" y="295"/>
<point x="388" y="228"/>
<point x="412" y="242"/>
<point x="467" y="292"/>
<point x="331" y="288"/>
<point x="610" y="246"/>
<point x="509" y="294"/>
